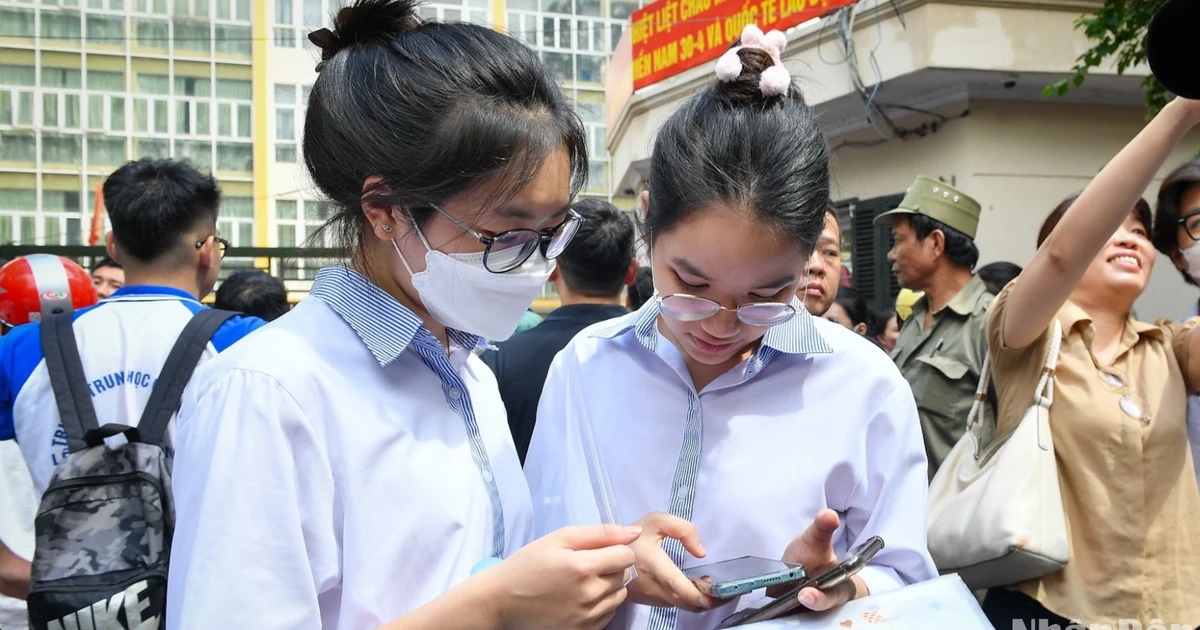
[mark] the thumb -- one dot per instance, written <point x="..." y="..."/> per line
<point x="597" y="536"/>
<point x="819" y="534"/>
<point x="681" y="530"/>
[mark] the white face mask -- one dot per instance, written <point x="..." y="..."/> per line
<point x="462" y="294"/>
<point x="1191" y="255"/>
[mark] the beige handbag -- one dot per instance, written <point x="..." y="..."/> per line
<point x="996" y="518"/>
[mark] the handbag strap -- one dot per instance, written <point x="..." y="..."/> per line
<point x="1044" y="393"/>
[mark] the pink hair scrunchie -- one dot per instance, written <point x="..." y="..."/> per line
<point x="775" y="80"/>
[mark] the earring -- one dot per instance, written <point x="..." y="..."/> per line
<point x="387" y="228"/>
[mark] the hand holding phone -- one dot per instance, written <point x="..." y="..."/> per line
<point x="788" y="602"/>
<point x="739" y="576"/>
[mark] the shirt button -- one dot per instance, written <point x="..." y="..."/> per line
<point x="487" y="476"/>
<point x="455" y="393"/>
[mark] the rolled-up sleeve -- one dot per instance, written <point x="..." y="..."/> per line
<point x="891" y="497"/>
<point x="254" y="543"/>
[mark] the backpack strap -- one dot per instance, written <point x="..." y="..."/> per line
<point x="167" y="394"/>
<point x="68" y="380"/>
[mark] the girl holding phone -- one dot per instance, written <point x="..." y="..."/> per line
<point x="349" y="466"/>
<point x="760" y="429"/>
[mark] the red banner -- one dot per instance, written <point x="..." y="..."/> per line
<point x="670" y="36"/>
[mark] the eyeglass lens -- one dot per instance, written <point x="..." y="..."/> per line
<point x="691" y="308"/>
<point x="511" y="249"/>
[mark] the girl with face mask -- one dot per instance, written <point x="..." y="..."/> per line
<point x="350" y="467"/>
<point x="1177" y="234"/>
<point x="758" y="428"/>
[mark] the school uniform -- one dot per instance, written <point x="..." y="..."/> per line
<point x="339" y="470"/>
<point x="815" y="418"/>
<point x="123" y="343"/>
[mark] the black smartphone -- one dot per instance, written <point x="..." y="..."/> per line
<point x="789" y="602"/>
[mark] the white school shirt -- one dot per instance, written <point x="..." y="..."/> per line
<point x="18" y="507"/>
<point x="123" y="343"/>
<point x="818" y="417"/>
<point x="338" y="470"/>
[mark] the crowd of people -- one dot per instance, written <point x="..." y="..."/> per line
<point x="389" y="454"/>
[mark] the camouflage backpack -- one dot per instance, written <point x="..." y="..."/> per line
<point x="104" y="526"/>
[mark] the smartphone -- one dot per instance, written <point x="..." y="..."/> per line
<point x="789" y="602"/>
<point x="739" y="576"/>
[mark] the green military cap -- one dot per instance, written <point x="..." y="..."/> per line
<point x="938" y="201"/>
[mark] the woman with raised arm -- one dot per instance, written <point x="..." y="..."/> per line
<point x="349" y="467"/>
<point x="1118" y="417"/>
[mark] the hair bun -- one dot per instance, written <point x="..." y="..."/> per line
<point x="752" y="69"/>
<point x="364" y="22"/>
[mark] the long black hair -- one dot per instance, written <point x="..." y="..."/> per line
<point x="434" y="110"/>
<point x="730" y="144"/>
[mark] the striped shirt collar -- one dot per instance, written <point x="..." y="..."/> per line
<point x="798" y="335"/>
<point x="385" y="325"/>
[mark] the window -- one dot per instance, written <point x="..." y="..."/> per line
<point x="285" y="223"/>
<point x="105" y="29"/>
<point x="16" y="75"/>
<point x="61" y="25"/>
<point x="102" y="150"/>
<point x="152" y="148"/>
<point x="192" y="86"/>
<point x="233" y="39"/>
<point x="192" y="117"/>
<point x="191" y="35"/>
<point x="150" y="115"/>
<point x="61" y="148"/>
<point x="234" y="89"/>
<point x="235" y="156"/>
<point x="236" y="221"/>
<point x="198" y="153"/>
<point x="17" y="146"/>
<point x="16" y="107"/>
<point x="153" y="84"/>
<point x="294" y="19"/>
<point x="16" y="22"/>
<point x="285" y="153"/>
<point x="152" y="33"/>
<point x="60" y="110"/>
<point x="285" y="123"/>
<point x="283" y="11"/>
<point x="100" y="80"/>
<point x="61" y="77"/>
<point x="290" y="105"/>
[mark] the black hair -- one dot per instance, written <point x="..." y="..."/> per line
<point x="105" y="262"/>
<point x="154" y="203"/>
<point x="434" y="110"/>
<point x="733" y="145"/>
<point x="596" y="261"/>
<point x="642" y="289"/>
<point x="253" y="292"/>
<point x="856" y="307"/>
<point x="960" y="248"/>
<point x="1141" y="209"/>
<point x="997" y="275"/>
<point x="1167" y="213"/>
<point x="881" y="321"/>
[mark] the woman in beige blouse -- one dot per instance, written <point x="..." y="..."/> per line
<point x="1118" y="419"/>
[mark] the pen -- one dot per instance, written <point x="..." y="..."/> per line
<point x="938" y="347"/>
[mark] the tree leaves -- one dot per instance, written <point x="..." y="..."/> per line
<point x="1118" y="35"/>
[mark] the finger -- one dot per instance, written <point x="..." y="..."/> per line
<point x="682" y="590"/>
<point x="604" y="610"/>
<point x="819" y="535"/>
<point x="818" y="600"/>
<point x="597" y="536"/>
<point x="603" y="586"/>
<point x="681" y="530"/>
<point x="608" y="560"/>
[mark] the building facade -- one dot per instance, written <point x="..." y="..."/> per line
<point x="87" y="84"/>
<point x="952" y="90"/>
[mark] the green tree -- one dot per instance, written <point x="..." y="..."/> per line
<point x="1117" y="31"/>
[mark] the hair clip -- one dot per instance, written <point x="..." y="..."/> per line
<point x="775" y="80"/>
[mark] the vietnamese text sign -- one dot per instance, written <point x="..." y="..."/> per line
<point x="670" y="36"/>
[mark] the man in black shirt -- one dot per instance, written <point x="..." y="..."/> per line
<point x="591" y="272"/>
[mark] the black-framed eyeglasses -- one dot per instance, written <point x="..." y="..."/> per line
<point x="1191" y="224"/>
<point x="691" y="308"/>
<point x="222" y="244"/>
<point x="510" y="249"/>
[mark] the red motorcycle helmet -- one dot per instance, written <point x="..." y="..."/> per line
<point x="42" y="284"/>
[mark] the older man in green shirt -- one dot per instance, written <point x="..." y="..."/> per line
<point x="943" y="344"/>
